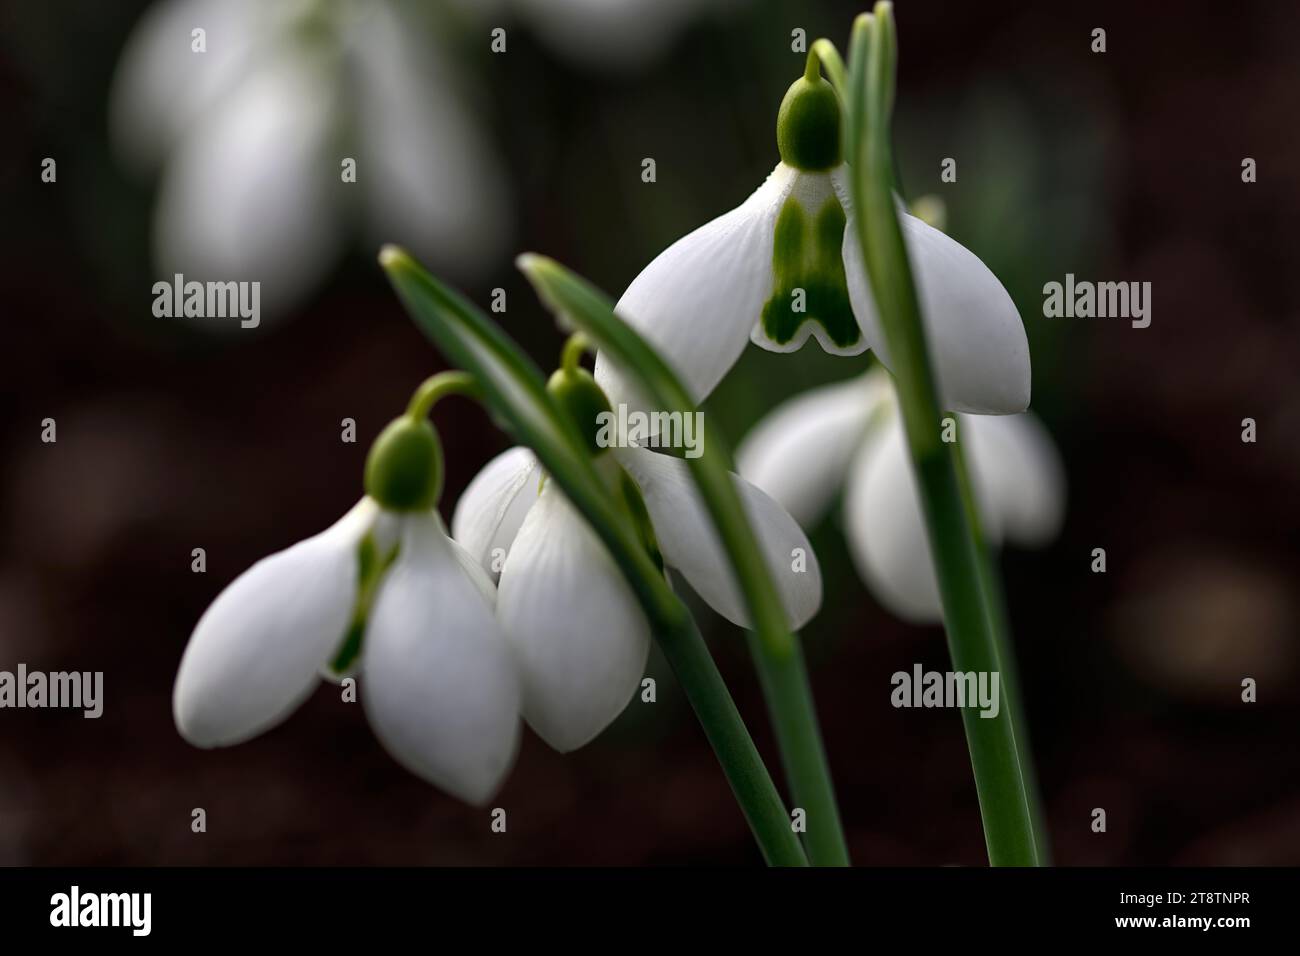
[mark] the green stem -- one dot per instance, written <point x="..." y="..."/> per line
<point x="812" y="69"/>
<point x="574" y="348"/>
<point x="436" y="387"/>
<point x="784" y="678"/>
<point x="741" y="763"/>
<point x="995" y="606"/>
<point x="776" y="651"/>
<point x="998" y="754"/>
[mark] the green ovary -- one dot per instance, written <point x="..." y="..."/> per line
<point x="809" y="275"/>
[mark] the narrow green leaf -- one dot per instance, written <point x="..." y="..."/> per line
<point x="999" y="755"/>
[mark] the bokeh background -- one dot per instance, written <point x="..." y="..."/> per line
<point x="1116" y="166"/>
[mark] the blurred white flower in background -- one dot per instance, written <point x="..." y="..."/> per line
<point x="850" y="436"/>
<point x="605" y="34"/>
<point x="611" y="33"/>
<point x="251" y="135"/>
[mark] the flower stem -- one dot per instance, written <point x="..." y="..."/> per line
<point x="741" y="763"/>
<point x="995" y="605"/>
<point x="436" y="387"/>
<point x="574" y="348"/>
<point x="830" y="59"/>
<point x="999" y="754"/>
<point x="776" y="651"/>
<point x="789" y="696"/>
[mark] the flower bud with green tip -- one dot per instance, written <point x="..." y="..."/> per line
<point x="576" y="391"/>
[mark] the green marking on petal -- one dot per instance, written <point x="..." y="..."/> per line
<point x="371" y="566"/>
<point x="629" y="496"/>
<point x="810" y="283"/>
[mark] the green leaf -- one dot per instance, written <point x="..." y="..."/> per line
<point x="1000" y="757"/>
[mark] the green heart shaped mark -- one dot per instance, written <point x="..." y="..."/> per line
<point x="810" y="284"/>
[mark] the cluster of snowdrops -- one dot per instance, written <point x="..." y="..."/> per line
<point x="520" y="611"/>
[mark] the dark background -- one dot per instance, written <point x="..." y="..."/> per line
<point x="1117" y="166"/>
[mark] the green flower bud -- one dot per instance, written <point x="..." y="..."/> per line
<point x="583" y="400"/>
<point x="808" y="125"/>
<point x="404" y="468"/>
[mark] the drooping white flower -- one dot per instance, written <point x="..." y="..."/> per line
<point x="252" y="132"/>
<point x="786" y="264"/>
<point x="578" y="632"/>
<point x="850" y="436"/>
<point x="609" y="34"/>
<point x="439" y="684"/>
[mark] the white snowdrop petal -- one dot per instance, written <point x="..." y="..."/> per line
<point x="1017" y="466"/>
<point x="433" y="184"/>
<point x="481" y="580"/>
<point x="974" y="332"/>
<point x="689" y="542"/>
<point x="161" y="85"/>
<point x="800" y="453"/>
<point x="619" y="35"/>
<point x="492" y="507"/>
<point x="577" y="630"/>
<point x="256" y="652"/>
<point x="698" y="300"/>
<point x="885" y="528"/>
<point x="247" y="195"/>
<point x="440" y="687"/>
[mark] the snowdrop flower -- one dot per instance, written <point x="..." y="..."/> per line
<point x="384" y="588"/>
<point x="578" y="632"/>
<point x="785" y="265"/>
<point x="253" y="133"/>
<point x="850" y="436"/>
<point x="610" y="33"/>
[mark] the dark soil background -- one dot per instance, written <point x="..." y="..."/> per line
<point x="1117" y="166"/>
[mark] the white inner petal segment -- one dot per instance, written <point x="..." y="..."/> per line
<point x="492" y="508"/>
<point x="697" y="301"/>
<point x="440" y="688"/>
<point x="576" y="627"/>
<point x="799" y="454"/>
<point x="973" y="330"/>
<point x="256" y="652"/>
<point x="689" y="542"/>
